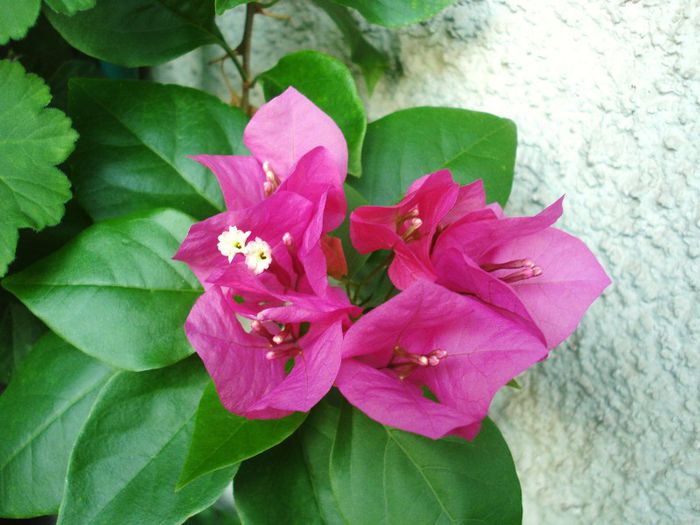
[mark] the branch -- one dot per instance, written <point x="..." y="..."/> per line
<point x="244" y="49"/>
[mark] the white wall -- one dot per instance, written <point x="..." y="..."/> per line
<point x="606" y="95"/>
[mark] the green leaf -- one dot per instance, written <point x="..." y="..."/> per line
<point x="328" y="83"/>
<point x="222" y="439"/>
<point x="42" y="412"/>
<point x="136" y="33"/>
<point x="383" y="475"/>
<point x="290" y="483"/>
<point x="16" y="17"/>
<point x="224" y="5"/>
<point x="19" y="330"/>
<point x="372" y="61"/>
<point x="407" y="144"/>
<point x="393" y="13"/>
<point x="115" y="293"/>
<point x="32" y="141"/>
<point x="70" y="7"/>
<point x="128" y="456"/>
<point x="135" y="139"/>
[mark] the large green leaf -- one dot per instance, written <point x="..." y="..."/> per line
<point x="404" y="145"/>
<point x="128" y="456"/>
<point x="135" y="139"/>
<point x="328" y="83"/>
<point x="32" y="141"/>
<point x="115" y="293"/>
<point x="137" y="33"/>
<point x="16" y="17"/>
<point x="371" y="60"/>
<point x="383" y="475"/>
<point x="70" y="7"/>
<point x="19" y="330"/>
<point x="222" y="439"/>
<point x="392" y="13"/>
<point x="290" y="483"/>
<point x="42" y="412"/>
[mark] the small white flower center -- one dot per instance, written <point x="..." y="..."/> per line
<point x="232" y="242"/>
<point x="258" y="255"/>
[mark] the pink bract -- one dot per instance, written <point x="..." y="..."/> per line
<point x="248" y="382"/>
<point x="520" y="264"/>
<point x="286" y="197"/>
<point x="461" y="349"/>
<point x="296" y="147"/>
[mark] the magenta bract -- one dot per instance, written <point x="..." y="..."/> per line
<point x="447" y="234"/>
<point x="484" y="296"/>
<point x="461" y="349"/>
<point x="263" y="264"/>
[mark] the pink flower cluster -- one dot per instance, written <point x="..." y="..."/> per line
<point x="483" y="296"/>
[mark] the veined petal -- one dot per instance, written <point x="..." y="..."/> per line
<point x="287" y="127"/>
<point x="460" y="348"/>
<point x="314" y="372"/>
<point x="234" y="358"/>
<point x="475" y="236"/>
<point x="316" y="176"/>
<point x="572" y="279"/>
<point x="396" y="403"/>
<point x="241" y="178"/>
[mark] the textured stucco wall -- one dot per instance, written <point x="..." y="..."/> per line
<point x="606" y="95"/>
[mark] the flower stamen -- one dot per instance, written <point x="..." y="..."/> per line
<point x="527" y="269"/>
<point x="404" y="362"/>
<point x="271" y="181"/>
<point x="525" y="273"/>
<point x="412" y="229"/>
<point x="409" y="222"/>
<point x="510" y="265"/>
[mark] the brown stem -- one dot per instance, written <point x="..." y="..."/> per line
<point x="244" y="49"/>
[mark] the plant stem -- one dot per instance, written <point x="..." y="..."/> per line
<point x="244" y="49"/>
<point x="234" y="58"/>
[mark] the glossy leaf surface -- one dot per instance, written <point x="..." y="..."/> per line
<point x="222" y="439"/>
<point x="136" y="33"/>
<point x="401" y="477"/>
<point x="115" y="293"/>
<point x="410" y="143"/>
<point x="135" y="141"/>
<point x="290" y="483"/>
<point x="128" y="457"/>
<point x="42" y="412"/>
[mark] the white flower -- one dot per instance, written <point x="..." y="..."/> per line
<point x="232" y="242"/>
<point x="258" y="255"/>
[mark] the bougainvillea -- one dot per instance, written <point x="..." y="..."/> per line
<point x="429" y="360"/>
